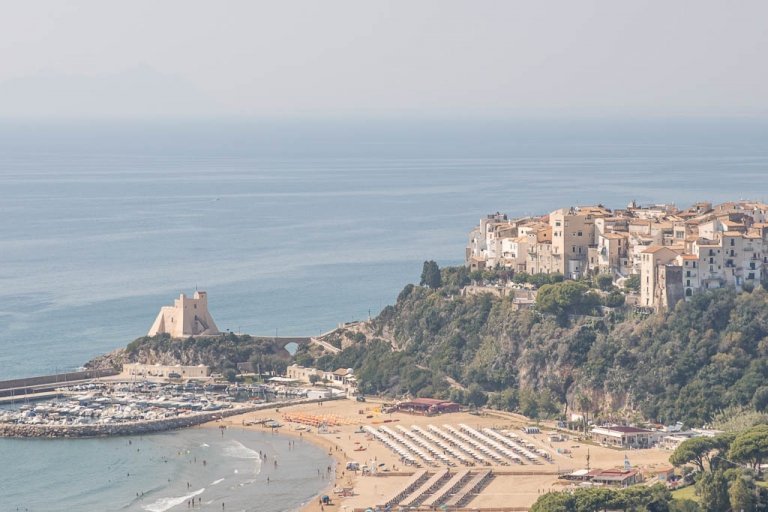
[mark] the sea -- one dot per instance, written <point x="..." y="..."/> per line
<point x="292" y="227"/>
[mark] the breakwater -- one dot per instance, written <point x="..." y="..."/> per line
<point x="43" y="383"/>
<point x="130" y="428"/>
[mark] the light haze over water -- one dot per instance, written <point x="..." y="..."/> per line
<point x="295" y="227"/>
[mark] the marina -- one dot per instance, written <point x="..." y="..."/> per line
<point x="102" y="408"/>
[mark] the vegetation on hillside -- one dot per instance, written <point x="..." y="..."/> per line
<point x="570" y="353"/>
<point x="221" y="353"/>
<point x="704" y="356"/>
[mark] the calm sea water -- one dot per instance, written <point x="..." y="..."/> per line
<point x="162" y="472"/>
<point x="291" y="228"/>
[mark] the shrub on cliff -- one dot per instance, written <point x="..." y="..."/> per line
<point x="567" y="298"/>
<point x="430" y="275"/>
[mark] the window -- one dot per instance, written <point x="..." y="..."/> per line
<point x="688" y="292"/>
<point x="579" y="233"/>
<point x="687" y="273"/>
<point x="688" y="282"/>
<point x="733" y="242"/>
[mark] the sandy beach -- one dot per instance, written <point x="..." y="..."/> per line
<point x="513" y="487"/>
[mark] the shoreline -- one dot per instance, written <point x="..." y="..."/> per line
<point x="340" y="476"/>
<point x="344" y="440"/>
<point x="511" y="487"/>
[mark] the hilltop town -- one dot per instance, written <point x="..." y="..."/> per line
<point x="675" y="252"/>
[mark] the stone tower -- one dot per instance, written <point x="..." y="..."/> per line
<point x="187" y="317"/>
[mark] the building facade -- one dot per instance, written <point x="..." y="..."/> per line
<point x="676" y="253"/>
<point x="187" y="317"/>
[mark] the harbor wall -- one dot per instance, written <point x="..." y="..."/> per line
<point x="138" y="427"/>
<point x="56" y="379"/>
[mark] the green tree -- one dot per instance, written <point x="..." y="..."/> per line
<point x="751" y="447"/>
<point x="694" y="451"/>
<point x="633" y="283"/>
<point x="555" y="502"/>
<point x="742" y="495"/>
<point x="760" y="399"/>
<point x="505" y="400"/>
<point x="637" y="498"/>
<point x="314" y="379"/>
<point x="529" y="405"/>
<point x="568" y="297"/>
<point x="476" y="396"/>
<point x="604" y="282"/>
<point x="712" y="489"/>
<point x="430" y="275"/>
<point x="614" y="299"/>
<point x="584" y="403"/>
<point x="678" y="505"/>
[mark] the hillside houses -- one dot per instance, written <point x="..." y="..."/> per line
<point x="675" y="252"/>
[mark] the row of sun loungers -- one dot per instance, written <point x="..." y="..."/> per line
<point x="416" y="480"/>
<point x="456" y="442"/>
<point x="416" y="438"/>
<point x="456" y="454"/>
<point x="504" y="450"/>
<point x="464" y="445"/>
<point x="475" y="484"/>
<point x="451" y="487"/>
<point x="393" y="445"/>
<point x="408" y="444"/>
<point x="428" y="487"/>
<point x="478" y="445"/>
<point x="515" y="444"/>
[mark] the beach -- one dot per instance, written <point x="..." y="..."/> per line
<point x="513" y="487"/>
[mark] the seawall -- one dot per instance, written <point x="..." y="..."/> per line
<point x="19" y="387"/>
<point x="137" y="427"/>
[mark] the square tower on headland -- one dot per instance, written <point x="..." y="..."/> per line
<point x="187" y="317"/>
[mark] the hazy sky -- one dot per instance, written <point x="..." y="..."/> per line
<point x="443" y="58"/>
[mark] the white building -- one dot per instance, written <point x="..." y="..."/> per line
<point x="187" y="317"/>
<point x="166" y="371"/>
